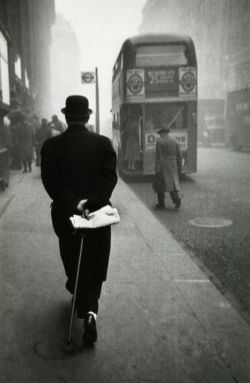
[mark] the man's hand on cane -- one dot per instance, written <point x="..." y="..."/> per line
<point x="80" y="207"/>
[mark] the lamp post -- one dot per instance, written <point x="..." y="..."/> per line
<point x="97" y="113"/>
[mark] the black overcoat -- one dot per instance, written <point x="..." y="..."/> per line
<point x="76" y="165"/>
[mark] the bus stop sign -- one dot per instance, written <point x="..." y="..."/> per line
<point x="88" y="77"/>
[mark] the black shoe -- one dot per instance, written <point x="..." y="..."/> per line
<point x="90" y="333"/>
<point x="178" y="204"/>
<point x="24" y="170"/>
<point x="160" y="206"/>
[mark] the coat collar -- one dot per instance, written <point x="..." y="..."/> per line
<point x="76" y="127"/>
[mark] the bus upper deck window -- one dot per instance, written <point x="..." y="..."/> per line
<point x="161" y="55"/>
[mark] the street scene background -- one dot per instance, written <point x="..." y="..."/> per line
<point x="151" y="318"/>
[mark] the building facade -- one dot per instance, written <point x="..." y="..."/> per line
<point x="237" y="111"/>
<point x="65" y="63"/>
<point x="25" y="68"/>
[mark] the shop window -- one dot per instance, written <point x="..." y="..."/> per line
<point x="27" y="81"/>
<point x="18" y="67"/>
<point x="4" y="71"/>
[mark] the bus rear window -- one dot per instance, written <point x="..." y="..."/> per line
<point x="161" y="55"/>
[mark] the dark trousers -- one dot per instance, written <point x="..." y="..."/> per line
<point x="27" y="163"/>
<point x="26" y="155"/>
<point x="38" y="155"/>
<point x="89" y="287"/>
<point x="95" y="258"/>
<point x="173" y="194"/>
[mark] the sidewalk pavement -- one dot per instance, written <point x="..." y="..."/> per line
<point x="161" y="319"/>
<point x="16" y="176"/>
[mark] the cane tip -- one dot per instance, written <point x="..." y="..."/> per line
<point x="68" y="347"/>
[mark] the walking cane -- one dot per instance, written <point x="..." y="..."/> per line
<point x="69" y="338"/>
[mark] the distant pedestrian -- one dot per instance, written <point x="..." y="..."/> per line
<point x="168" y="168"/>
<point x="26" y="138"/>
<point x="42" y="134"/>
<point x="35" y="123"/>
<point x="56" y="125"/>
<point x="78" y="170"/>
<point x="132" y="152"/>
<point x="17" y="121"/>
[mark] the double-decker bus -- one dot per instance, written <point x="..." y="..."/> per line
<point x="154" y="84"/>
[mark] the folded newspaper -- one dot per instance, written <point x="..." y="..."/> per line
<point x="105" y="216"/>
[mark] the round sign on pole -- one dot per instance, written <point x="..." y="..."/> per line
<point x="88" y="77"/>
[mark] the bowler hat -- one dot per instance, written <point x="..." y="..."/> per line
<point x="163" y="129"/>
<point x="77" y="106"/>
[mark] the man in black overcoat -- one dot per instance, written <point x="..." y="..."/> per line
<point x="78" y="170"/>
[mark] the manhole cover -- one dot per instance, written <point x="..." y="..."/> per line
<point x="51" y="349"/>
<point x="212" y="222"/>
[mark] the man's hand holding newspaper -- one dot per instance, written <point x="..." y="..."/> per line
<point x="105" y="216"/>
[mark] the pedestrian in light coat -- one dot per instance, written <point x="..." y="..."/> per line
<point x="168" y="168"/>
<point x="78" y="170"/>
<point x="132" y="152"/>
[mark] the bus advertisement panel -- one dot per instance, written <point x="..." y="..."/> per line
<point x="154" y="85"/>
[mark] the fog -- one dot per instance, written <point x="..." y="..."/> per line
<point x="100" y="27"/>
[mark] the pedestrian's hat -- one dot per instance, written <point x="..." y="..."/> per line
<point x="163" y="129"/>
<point x="77" y="106"/>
